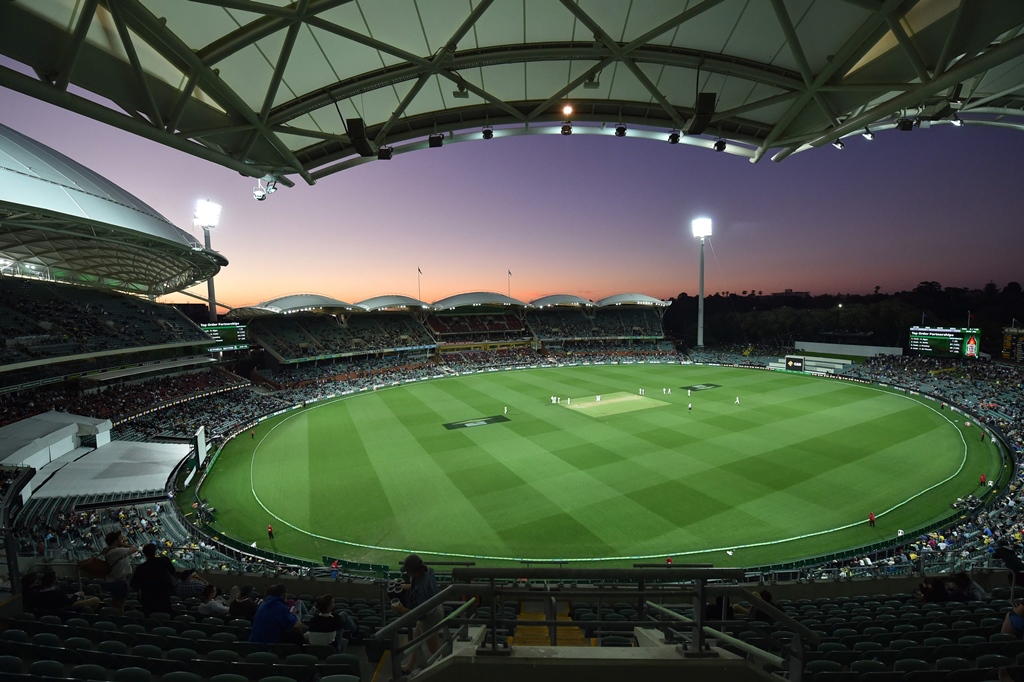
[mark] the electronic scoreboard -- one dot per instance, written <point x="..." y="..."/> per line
<point x="227" y="336"/>
<point x="1013" y="344"/>
<point x="947" y="342"/>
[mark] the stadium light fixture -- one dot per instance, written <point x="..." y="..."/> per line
<point x="435" y="140"/>
<point x="271" y="186"/>
<point x="487" y="133"/>
<point x="567" y="128"/>
<point x="620" y="130"/>
<point x="867" y="134"/>
<point x="385" y="153"/>
<point x="839" y="144"/>
<point x="461" y="92"/>
<point x="207" y="216"/>
<point x="905" y="124"/>
<point x="701" y="229"/>
<point x="719" y="145"/>
<point x="673" y="137"/>
<point x="957" y="121"/>
<point x="567" y="110"/>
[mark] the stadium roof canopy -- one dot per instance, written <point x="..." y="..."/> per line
<point x="561" y="300"/>
<point x="293" y="303"/>
<point x="477" y="298"/>
<point x="393" y="301"/>
<point x="308" y="88"/>
<point x="631" y="299"/>
<point x="61" y="221"/>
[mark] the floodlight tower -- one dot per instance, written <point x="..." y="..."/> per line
<point x="701" y="229"/>
<point x="207" y="216"/>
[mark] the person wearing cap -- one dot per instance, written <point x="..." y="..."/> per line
<point x="422" y="586"/>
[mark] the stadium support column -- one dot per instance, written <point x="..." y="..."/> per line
<point x="213" y="296"/>
<point x="701" y="230"/>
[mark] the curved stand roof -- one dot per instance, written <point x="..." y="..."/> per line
<point x="64" y="222"/>
<point x="312" y="87"/>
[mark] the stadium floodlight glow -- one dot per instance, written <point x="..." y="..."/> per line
<point x="719" y="145"/>
<point x="673" y="137"/>
<point x="957" y="121"/>
<point x="207" y="214"/>
<point x="867" y="134"/>
<point x="567" y="110"/>
<point x="487" y="133"/>
<point x="701" y="229"/>
<point x="435" y="140"/>
<point x="839" y="144"/>
<point x="567" y="128"/>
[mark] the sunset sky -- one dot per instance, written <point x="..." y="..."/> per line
<point x="589" y="215"/>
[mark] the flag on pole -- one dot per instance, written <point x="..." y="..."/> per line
<point x="419" y="271"/>
<point x="509" y="273"/>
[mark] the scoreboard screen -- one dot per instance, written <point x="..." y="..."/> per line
<point x="226" y="336"/>
<point x="947" y="342"/>
<point x="1013" y="344"/>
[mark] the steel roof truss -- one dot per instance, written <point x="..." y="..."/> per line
<point x="133" y="58"/>
<point x="67" y="66"/>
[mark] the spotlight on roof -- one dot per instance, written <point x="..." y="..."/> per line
<point x="867" y="134"/>
<point x="271" y="186"/>
<point x="567" y="128"/>
<point x="385" y="153"/>
<point x="838" y="144"/>
<point x="719" y="146"/>
<point x="435" y="140"/>
<point x="957" y="121"/>
<point x="258" y="192"/>
<point x="461" y="93"/>
<point x="487" y="133"/>
<point x="905" y="124"/>
<point x="673" y="137"/>
<point x="592" y="83"/>
<point x="567" y="109"/>
<point x="620" y="130"/>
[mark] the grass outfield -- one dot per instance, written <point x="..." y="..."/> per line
<point x="437" y="467"/>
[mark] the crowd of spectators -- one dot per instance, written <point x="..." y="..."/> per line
<point x="315" y="335"/>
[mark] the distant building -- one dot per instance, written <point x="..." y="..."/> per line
<point x="790" y="292"/>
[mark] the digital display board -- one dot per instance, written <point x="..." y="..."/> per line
<point x="947" y="342"/>
<point x="1013" y="344"/>
<point x="794" y="363"/>
<point x="227" y="336"/>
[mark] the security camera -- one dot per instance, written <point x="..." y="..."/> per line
<point x="258" y="193"/>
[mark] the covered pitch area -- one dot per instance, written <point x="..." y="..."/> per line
<point x="792" y="471"/>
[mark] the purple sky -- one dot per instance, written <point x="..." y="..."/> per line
<point x="589" y="215"/>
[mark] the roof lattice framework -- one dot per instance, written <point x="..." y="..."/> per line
<point x="273" y="88"/>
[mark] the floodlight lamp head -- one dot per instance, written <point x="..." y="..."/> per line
<point x="435" y="140"/>
<point x="487" y="133"/>
<point x="271" y="186"/>
<point x="957" y="121"/>
<point x="620" y="130"/>
<point x="461" y="92"/>
<point x="567" y="128"/>
<point x="385" y="153"/>
<point x="258" y="192"/>
<point x="839" y="144"/>
<point x="701" y="227"/>
<point x="591" y="83"/>
<point x="207" y="214"/>
<point x="905" y="124"/>
<point x="719" y="145"/>
<point x="673" y="137"/>
<point x="567" y="110"/>
<point x="867" y="134"/>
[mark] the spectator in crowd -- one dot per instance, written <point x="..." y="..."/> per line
<point x="244" y="605"/>
<point x="155" y="580"/>
<point x="1013" y="623"/>
<point x="328" y="627"/>
<point x="190" y="584"/>
<point x="118" y="556"/>
<point x="966" y="589"/>
<point x="275" y="621"/>
<point x="422" y="586"/>
<point x="212" y="604"/>
<point x="52" y="597"/>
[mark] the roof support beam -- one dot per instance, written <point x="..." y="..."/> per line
<point x="171" y="47"/>
<point x="947" y="46"/>
<point x="908" y="49"/>
<point x="793" y="40"/>
<point x="963" y="70"/>
<point x="67" y="65"/>
<point x="183" y="100"/>
<point x="856" y="44"/>
<point x="133" y="58"/>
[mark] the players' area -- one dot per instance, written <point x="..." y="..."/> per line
<point x="790" y="470"/>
